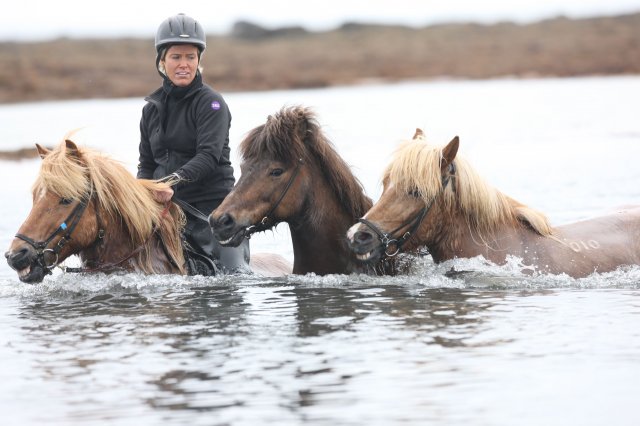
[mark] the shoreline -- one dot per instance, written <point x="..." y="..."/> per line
<point x="70" y="69"/>
<point x="362" y="83"/>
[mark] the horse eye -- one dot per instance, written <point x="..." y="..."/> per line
<point x="66" y="201"/>
<point x="276" y="172"/>
<point x="414" y="193"/>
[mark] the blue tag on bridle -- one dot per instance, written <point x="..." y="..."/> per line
<point x="63" y="226"/>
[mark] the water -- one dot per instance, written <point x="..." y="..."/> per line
<point x="490" y="347"/>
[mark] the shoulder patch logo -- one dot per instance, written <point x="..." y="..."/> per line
<point x="215" y="105"/>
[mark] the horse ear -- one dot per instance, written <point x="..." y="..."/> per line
<point x="72" y="148"/>
<point x="42" y="151"/>
<point x="419" y="134"/>
<point x="449" y="153"/>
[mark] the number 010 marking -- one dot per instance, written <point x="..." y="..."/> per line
<point x="584" y="245"/>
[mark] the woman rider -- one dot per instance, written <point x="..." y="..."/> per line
<point x="184" y="138"/>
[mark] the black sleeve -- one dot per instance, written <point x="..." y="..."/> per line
<point x="213" y="120"/>
<point x="146" y="163"/>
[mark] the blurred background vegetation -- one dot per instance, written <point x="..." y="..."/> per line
<point x="251" y="57"/>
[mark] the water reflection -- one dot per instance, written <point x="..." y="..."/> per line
<point x="277" y="350"/>
<point x="195" y="345"/>
<point x="434" y="312"/>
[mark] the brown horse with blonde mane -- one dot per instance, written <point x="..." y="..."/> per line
<point x="88" y="204"/>
<point x="292" y="173"/>
<point x="433" y="197"/>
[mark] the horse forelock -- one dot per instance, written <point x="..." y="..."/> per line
<point x="281" y="137"/>
<point x="294" y="134"/>
<point x="63" y="175"/>
<point x="124" y="198"/>
<point x="416" y="166"/>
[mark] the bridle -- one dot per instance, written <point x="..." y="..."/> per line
<point x="264" y="223"/>
<point x="66" y="227"/>
<point x="387" y="239"/>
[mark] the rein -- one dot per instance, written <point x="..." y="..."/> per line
<point x="262" y="225"/>
<point x="110" y="265"/>
<point x="189" y="208"/>
<point x="387" y="240"/>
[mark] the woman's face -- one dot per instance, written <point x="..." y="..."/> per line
<point x="181" y="64"/>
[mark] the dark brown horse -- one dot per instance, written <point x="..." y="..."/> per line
<point x="434" y="198"/>
<point x="88" y="204"/>
<point x="292" y="173"/>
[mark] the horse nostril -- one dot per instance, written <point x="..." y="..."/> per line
<point x="224" y="221"/>
<point x="363" y="237"/>
<point x="18" y="259"/>
<point x="227" y="220"/>
<point x="21" y="254"/>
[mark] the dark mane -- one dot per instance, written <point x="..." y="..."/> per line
<point x="294" y="133"/>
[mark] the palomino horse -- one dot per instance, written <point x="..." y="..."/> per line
<point x="88" y="204"/>
<point x="292" y="173"/>
<point x="433" y="198"/>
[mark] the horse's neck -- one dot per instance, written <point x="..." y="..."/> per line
<point x="456" y="238"/>
<point x="113" y="247"/>
<point x="116" y="251"/>
<point x="318" y="235"/>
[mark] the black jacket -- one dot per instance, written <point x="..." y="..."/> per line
<point x="186" y="130"/>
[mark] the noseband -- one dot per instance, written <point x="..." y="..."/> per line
<point x="388" y="240"/>
<point x="263" y="224"/>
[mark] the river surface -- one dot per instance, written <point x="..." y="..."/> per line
<point x="490" y="347"/>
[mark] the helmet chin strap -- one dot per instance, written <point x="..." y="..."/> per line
<point x="161" y="53"/>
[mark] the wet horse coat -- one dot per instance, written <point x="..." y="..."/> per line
<point x="464" y="217"/>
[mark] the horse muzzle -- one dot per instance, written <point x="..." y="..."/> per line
<point x="227" y="231"/>
<point x="365" y="245"/>
<point x="25" y="261"/>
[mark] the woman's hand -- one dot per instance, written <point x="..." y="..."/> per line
<point x="163" y="195"/>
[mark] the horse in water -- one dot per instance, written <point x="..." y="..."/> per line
<point x="432" y="197"/>
<point x="292" y="173"/>
<point x="88" y="204"/>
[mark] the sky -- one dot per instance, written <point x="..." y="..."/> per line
<point x="31" y="20"/>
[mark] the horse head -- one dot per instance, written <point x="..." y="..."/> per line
<point x="403" y="218"/>
<point x="62" y="219"/>
<point x="88" y="204"/>
<point x="274" y="178"/>
<point x="292" y="173"/>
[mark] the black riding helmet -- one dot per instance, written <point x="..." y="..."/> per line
<point x="179" y="29"/>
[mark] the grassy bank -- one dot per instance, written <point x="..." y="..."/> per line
<point x="113" y="68"/>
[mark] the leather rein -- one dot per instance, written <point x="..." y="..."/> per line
<point x="388" y="240"/>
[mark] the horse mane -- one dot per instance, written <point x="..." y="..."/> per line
<point x="294" y="133"/>
<point x="416" y="166"/>
<point x="86" y="173"/>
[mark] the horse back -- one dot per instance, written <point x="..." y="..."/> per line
<point x="270" y="265"/>
<point x="600" y="244"/>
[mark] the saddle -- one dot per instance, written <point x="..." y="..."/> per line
<point x="197" y="263"/>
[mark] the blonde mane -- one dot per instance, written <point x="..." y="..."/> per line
<point x="416" y="166"/>
<point x="121" y="198"/>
